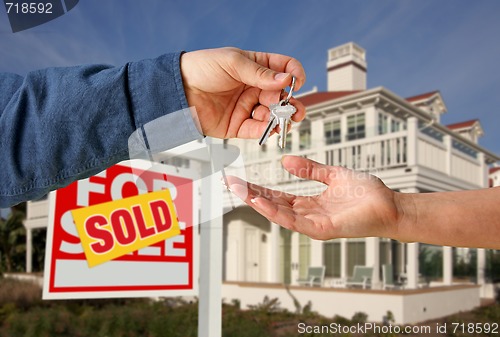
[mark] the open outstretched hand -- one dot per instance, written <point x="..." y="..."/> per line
<point x="354" y="204"/>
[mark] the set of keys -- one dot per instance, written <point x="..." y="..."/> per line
<point x="280" y="115"/>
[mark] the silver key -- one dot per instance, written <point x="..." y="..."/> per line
<point x="284" y="114"/>
<point x="273" y="121"/>
<point x="280" y="114"/>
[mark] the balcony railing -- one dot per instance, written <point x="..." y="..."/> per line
<point x="380" y="152"/>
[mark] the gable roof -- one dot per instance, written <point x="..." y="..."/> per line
<point x="494" y="169"/>
<point x="462" y="125"/>
<point x="320" y="97"/>
<point x="422" y="96"/>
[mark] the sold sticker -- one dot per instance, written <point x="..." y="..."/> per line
<point x="113" y="229"/>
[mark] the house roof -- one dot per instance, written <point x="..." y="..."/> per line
<point x="494" y="169"/>
<point x="462" y="125"/>
<point x="320" y="97"/>
<point x="422" y="96"/>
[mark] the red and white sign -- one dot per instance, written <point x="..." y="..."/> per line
<point x="167" y="268"/>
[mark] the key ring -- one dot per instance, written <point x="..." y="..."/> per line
<point x="292" y="86"/>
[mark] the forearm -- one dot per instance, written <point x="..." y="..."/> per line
<point x="464" y="218"/>
<point x="62" y="124"/>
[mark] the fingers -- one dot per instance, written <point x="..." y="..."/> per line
<point x="308" y="169"/>
<point x="280" y="63"/>
<point x="247" y="191"/>
<point x="261" y="112"/>
<point x="268" y="71"/>
<point x="244" y="124"/>
<point x="287" y="210"/>
<point x="300" y="114"/>
<point x="274" y="205"/>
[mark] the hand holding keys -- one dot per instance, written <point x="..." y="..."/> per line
<point x="280" y="114"/>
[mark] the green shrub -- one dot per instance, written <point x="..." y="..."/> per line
<point x="23" y="294"/>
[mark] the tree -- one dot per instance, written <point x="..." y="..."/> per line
<point x="12" y="237"/>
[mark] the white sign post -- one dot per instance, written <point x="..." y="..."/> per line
<point x="210" y="300"/>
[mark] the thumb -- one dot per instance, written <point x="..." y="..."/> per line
<point x="256" y="75"/>
<point x="308" y="169"/>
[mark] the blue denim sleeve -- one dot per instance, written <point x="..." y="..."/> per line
<point x="59" y="125"/>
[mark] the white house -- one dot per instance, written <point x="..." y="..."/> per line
<point x="402" y="141"/>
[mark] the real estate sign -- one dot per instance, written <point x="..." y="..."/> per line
<point x="119" y="211"/>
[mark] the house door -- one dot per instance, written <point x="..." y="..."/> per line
<point x="252" y="255"/>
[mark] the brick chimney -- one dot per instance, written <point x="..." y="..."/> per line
<point x="346" y="68"/>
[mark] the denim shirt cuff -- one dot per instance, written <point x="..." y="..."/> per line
<point x="157" y="90"/>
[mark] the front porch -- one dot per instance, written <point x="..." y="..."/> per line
<point x="407" y="306"/>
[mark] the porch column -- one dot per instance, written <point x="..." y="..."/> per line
<point x="411" y="141"/>
<point x="294" y="270"/>
<point x="412" y="266"/>
<point x="481" y="265"/>
<point x="447" y="266"/>
<point x="372" y="258"/>
<point x="371" y="121"/>
<point x="274" y="256"/>
<point x="316" y="253"/>
<point x="29" y="250"/>
<point x="343" y="258"/>
<point x="401" y="251"/>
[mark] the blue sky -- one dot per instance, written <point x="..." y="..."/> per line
<point x="413" y="46"/>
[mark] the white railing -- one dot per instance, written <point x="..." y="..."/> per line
<point x="431" y="153"/>
<point x="374" y="153"/>
<point x="379" y="152"/>
<point x="465" y="168"/>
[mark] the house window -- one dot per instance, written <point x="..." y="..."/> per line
<point x="355" y="255"/>
<point x="382" y="124"/>
<point x="356" y="126"/>
<point x="395" y="125"/>
<point x="331" y="258"/>
<point x="430" y="131"/>
<point x="305" y="139"/>
<point x="333" y="133"/>
<point x="464" y="149"/>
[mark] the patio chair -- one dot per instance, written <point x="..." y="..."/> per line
<point x="361" y="276"/>
<point x="388" y="278"/>
<point x="315" y="277"/>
